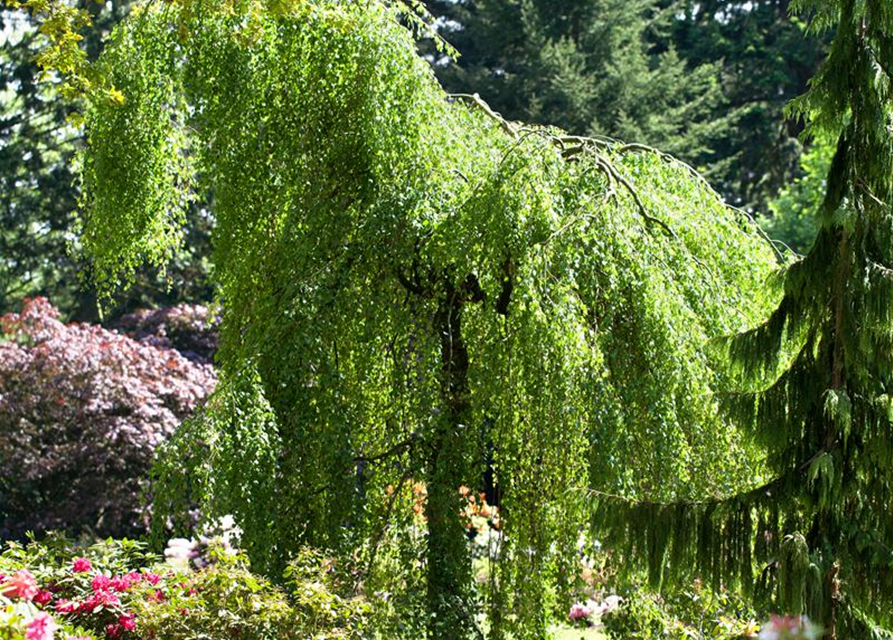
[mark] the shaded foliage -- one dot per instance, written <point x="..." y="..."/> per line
<point x="82" y="410"/>
<point x="796" y="211"/>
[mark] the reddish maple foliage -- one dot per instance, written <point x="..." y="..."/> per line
<point x="82" y="410"/>
<point x="191" y="329"/>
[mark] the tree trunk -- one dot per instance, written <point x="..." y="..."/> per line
<point x="449" y="565"/>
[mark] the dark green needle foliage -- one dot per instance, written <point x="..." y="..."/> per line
<point x="604" y="67"/>
<point x="414" y="291"/>
<point x="815" y="378"/>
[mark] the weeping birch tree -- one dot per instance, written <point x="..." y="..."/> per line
<point x="416" y="293"/>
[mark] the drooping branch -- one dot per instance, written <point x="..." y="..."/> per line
<point x="476" y="100"/>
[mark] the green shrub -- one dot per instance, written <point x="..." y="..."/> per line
<point x="117" y="590"/>
<point x="695" y="614"/>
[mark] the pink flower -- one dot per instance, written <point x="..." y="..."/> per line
<point x="114" y="631"/>
<point x="20" y="585"/>
<point x="579" y="611"/>
<point x="101" y="582"/>
<point x="128" y="621"/>
<point x="105" y="599"/>
<point x="66" y="606"/>
<point x="81" y="565"/>
<point x="120" y="583"/>
<point x="43" y="597"/>
<point x="158" y="596"/>
<point x="153" y="578"/>
<point x="41" y="627"/>
<point x="134" y="577"/>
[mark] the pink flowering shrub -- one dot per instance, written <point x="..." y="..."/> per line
<point x="82" y="410"/>
<point x="117" y="591"/>
<point x="191" y="329"/>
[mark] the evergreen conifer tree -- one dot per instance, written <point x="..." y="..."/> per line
<point x="591" y="67"/>
<point x="814" y="379"/>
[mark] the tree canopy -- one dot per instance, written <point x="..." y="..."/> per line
<point x="414" y="290"/>
<point x="704" y="80"/>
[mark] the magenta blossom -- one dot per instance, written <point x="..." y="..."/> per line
<point x="128" y="621"/>
<point x="41" y="627"/>
<point x="101" y="582"/>
<point x="104" y="599"/>
<point x="81" y="565"/>
<point x="66" y="606"/>
<point x="120" y="583"/>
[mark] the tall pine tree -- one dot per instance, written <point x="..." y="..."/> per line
<point x="591" y="67"/>
<point x="814" y="379"/>
<point x="767" y="56"/>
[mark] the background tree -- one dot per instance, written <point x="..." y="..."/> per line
<point x="38" y="191"/>
<point x="815" y="377"/>
<point x="591" y="67"/>
<point x="795" y="211"/>
<point x="414" y="291"/>
<point x="767" y="56"/>
<point x="705" y="80"/>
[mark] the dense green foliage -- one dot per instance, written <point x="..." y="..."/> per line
<point x="414" y="291"/>
<point x="39" y="141"/>
<point x="814" y="378"/>
<point x="705" y="80"/>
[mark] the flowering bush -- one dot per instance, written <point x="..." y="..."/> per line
<point x="81" y="412"/>
<point x="116" y="591"/>
<point x="191" y="329"/>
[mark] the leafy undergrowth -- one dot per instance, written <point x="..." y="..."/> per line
<point x="116" y="590"/>
<point x="571" y="633"/>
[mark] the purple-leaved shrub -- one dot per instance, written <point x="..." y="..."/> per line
<point x="82" y="410"/>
